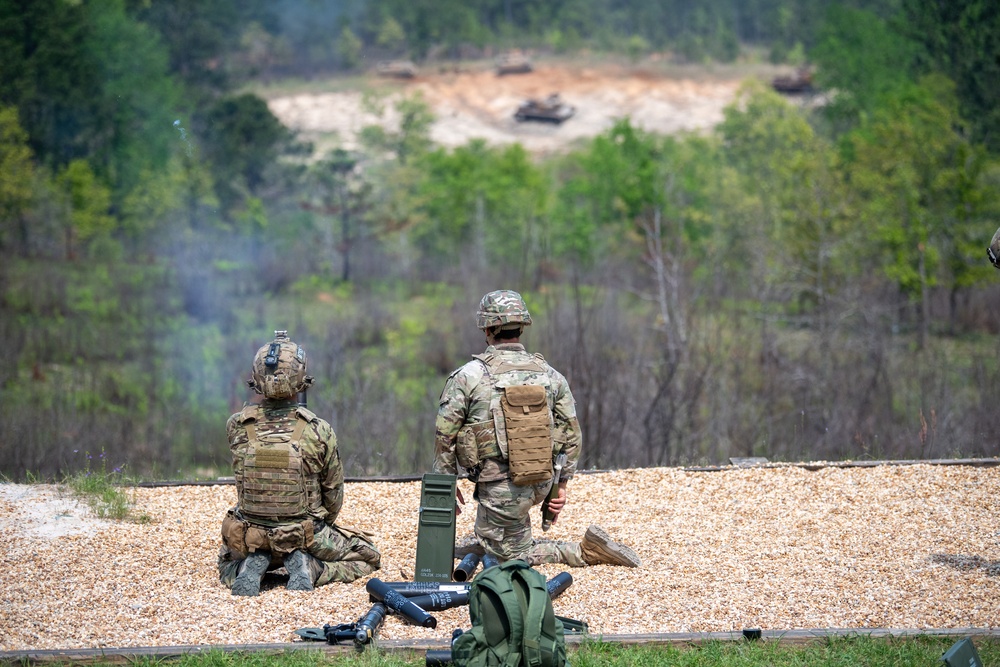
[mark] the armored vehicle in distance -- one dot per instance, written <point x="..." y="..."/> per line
<point x="513" y="63"/>
<point x="398" y="69"/>
<point x="799" y="82"/>
<point x="548" y="110"/>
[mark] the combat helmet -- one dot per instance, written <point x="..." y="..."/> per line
<point x="279" y="368"/>
<point x="993" y="250"/>
<point x="502" y="307"/>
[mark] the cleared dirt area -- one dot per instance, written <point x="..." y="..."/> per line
<point x="914" y="546"/>
<point x="477" y="103"/>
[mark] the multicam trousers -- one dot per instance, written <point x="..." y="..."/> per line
<point x="344" y="555"/>
<point x="503" y="527"/>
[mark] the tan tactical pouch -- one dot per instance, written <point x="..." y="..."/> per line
<point x="234" y="534"/>
<point x="256" y="539"/>
<point x="286" y="539"/>
<point x="476" y="442"/>
<point x="529" y="434"/>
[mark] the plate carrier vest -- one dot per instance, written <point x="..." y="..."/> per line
<point x="275" y="484"/>
<point x="520" y="430"/>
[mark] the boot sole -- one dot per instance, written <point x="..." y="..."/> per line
<point x="248" y="580"/>
<point x="610" y="551"/>
<point x="299" y="576"/>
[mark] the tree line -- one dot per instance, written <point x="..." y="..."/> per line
<point x="802" y="282"/>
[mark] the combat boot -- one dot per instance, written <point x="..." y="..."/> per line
<point x="250" y="573"/>
<point x="599" y="549"/>
<point x="303" y="569"/>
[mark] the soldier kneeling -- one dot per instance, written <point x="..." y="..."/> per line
<point x="290" y="487"/>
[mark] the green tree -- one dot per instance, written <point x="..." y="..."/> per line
<point x="89" y="83"/>
<point x="391" y="36"/>
<point x="48" y="75"/>
<point x="479" y="203"/>
<point x="788" y="226"/>
<point x="87" y="204"/>
<point x="200" y="35"/>
<point x="242" y="140"/>
<point x="862" y="59"/>
<point x="349" y="48"/>
<point x="338" y="191"/>
<point x="961" y="39"/>
<point x="18" y="167"/>
<point x="137" y="105"/>
<point x="413" y="136"/>
<point x="911" y="169"/>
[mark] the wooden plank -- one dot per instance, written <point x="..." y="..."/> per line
<point x="418" y="647"/>
<point x="748" y="461"/>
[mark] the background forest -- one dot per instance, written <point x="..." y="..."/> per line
<point x="799" y="283"/>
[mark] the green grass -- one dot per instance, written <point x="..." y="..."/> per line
<point x="103" y="491"/>
<point x="839" y="652"/>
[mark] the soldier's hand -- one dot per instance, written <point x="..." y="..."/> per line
<point x="459" y="501"/>
<point x="556" y="504"/>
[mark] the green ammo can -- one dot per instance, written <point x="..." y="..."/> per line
<point x="436" y="528"/>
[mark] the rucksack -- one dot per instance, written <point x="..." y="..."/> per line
<point x="513" y="624"/>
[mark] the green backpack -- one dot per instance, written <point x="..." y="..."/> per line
<point x="513" y="624"/>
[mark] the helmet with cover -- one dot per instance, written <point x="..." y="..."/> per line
<point x="501" y="308"/>
<point x="279" y="368"/>
<point x="993" y="250"/>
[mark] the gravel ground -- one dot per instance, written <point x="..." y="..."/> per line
<point x="776" y="548"/>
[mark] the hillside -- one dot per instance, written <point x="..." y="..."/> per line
<point x="776" y="548"/>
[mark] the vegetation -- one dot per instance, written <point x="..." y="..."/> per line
<point x="105" y="491"/>
<point x="842" y="651"/>
<point x="799" y="283"/>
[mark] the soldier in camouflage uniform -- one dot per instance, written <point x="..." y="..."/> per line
<point x="290" y="487"/>
<point x="472" y="433"/>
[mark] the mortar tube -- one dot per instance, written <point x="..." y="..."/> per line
<point x="559" y="583"/>
<point x="396" y="602"/>
<point x="466" y="567"/>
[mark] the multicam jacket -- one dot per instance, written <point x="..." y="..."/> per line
<point x="305" y="447"/>
<point x="467" y="397"/>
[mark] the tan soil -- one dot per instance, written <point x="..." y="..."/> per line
<point x="780" y="548"/>
<point x="476" y="103"/>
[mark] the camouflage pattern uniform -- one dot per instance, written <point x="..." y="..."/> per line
<point x="473" y="432"/>
<point x="290" y="487"/>
<point x="993" y="249"/>
<point x="503" y="524"/>
<point x="344" y="555"/>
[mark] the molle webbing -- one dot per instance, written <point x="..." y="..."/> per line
<point x="498" y="365"/>
<point x="529" y="434"/>
<point x="526" y="417"/>
<point x="275" y="484"/>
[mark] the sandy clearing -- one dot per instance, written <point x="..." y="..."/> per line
<point x="480" y="105"/>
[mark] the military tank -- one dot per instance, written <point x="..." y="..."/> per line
<point x="794" y="84"/>
<point x="397" y="69"/>
<point x="513" y="63"/>
<point x="548" y="110"/>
